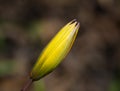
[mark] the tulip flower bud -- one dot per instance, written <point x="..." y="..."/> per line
<point x="55" y="51"/>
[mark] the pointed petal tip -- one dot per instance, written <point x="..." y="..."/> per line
<point x="77" y="24"/>
<point x="75" y="21"/>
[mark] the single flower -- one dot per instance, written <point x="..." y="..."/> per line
<point x="55" y="51"/>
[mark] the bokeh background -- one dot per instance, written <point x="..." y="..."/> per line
<point x="93" y="64"/>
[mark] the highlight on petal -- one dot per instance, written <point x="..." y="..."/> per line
<point x="55" y="51"/>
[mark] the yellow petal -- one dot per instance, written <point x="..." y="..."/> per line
<point x="55" y="51"/>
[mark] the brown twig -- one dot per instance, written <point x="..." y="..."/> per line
<point x="27" y="85"/>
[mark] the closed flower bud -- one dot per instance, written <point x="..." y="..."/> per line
<point x="55" y="51"/>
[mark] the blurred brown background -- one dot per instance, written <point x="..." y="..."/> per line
<point x="93" y="64"/>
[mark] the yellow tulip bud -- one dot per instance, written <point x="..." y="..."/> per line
<point x="55" y="51"/>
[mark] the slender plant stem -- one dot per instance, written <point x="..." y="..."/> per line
<point x="27" y="85"/>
